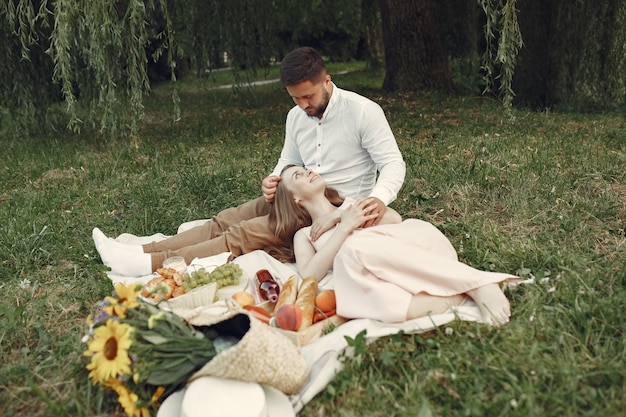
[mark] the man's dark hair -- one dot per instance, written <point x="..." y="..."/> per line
<point x="300" y="65"/>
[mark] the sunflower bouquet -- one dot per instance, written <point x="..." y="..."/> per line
<point x="141" y="352"/>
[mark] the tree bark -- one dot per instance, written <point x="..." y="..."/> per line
<point x="415" y="56"/>
<point x="574" y="54"/>
<point x="371" y="47"/>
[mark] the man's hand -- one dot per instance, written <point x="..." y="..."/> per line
<point x="268" y="187"/>
<point x="373" y="205"/>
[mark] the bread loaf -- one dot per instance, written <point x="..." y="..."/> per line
<point x="306" y="301"/>
<point x="288" y="293"/>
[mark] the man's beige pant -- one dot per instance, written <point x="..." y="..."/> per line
<point x="238" y="230"/>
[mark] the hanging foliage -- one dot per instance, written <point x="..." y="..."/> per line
<point x="96" y="53"/>
<point x="27" y="89"/>
<point x="91" y="52"/>
<point x="95" y="57"/>
<point x="99" y="51"/>
<point x="503" y="41"/>
<point x="91" y="61"/>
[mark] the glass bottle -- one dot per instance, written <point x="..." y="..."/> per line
<point x="268" y="288"/>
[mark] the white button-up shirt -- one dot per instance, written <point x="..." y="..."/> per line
<point x="348" y="146"/>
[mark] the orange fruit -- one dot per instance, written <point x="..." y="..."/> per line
<point x="326" y="301"/>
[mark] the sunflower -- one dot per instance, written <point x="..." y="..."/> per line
<point x="157" y="395"/>
<point x="127" y="399"/>
<point x="109" y="351"/>
<point x="124" y="297"/>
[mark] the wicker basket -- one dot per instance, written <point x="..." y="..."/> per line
<point x="200" y="296"/>
<point x="204" y="295"/>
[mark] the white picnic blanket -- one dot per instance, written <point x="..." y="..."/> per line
<point x="323" y="354"/>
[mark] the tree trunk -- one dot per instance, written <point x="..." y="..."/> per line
<point x="415" y="56"/>
<point x="371" y="47"/>
<point x="574" y="54"/>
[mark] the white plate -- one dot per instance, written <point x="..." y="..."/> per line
<point x="226" y="292"/>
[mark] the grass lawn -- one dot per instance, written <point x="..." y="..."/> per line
<point x="541" y="194"/>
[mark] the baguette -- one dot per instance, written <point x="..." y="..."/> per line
<point x="288" y="293"/>
<point x="306" y="301"/>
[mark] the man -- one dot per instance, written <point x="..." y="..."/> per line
<point x="343" y="136"/>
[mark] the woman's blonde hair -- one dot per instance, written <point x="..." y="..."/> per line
<point x="286" y="218"/>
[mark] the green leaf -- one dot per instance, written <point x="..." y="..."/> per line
<point x="178" y="372"/>
<point x="358" y="343"/>
<point x="154" y="338"/>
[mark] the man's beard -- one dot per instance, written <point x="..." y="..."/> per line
<point x="319" y="111"/>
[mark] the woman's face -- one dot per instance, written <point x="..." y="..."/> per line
<point x="302" y="182"/>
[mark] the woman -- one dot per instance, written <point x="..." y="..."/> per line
<point x="396" y="271"/>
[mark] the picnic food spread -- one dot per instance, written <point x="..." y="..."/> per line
<point x="223" y="275"/>
<point x="267" y="287"/>
<point x="302" y="312"/>
<point x="170" y="282"/>
<point x="167" y="284"/>
<point x="292" y="307"/>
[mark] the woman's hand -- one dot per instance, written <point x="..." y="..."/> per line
<point x="374" y="206"/>
<point x="324" y="223"/>
<point x="358" y="214"/>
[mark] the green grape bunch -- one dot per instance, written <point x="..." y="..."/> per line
<point x="222" y="276"/>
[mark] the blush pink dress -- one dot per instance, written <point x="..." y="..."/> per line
<point x="378" y="269"/>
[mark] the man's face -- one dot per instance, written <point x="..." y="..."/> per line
<point x="310" y="97"/>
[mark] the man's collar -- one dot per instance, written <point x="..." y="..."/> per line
<point x="333" y="99"/>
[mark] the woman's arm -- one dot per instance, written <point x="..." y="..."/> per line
<point x="312" y="263"/>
